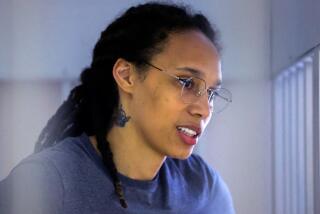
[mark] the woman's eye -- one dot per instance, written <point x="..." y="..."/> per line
<point x="186" y="82"/>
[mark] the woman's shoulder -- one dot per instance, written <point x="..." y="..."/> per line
<point x="34" y="184"/>
<point x="43" y="178"/>
<point x="66" y="158"/>
<point x="205" y="180"/>
<point x="70" y="150"/>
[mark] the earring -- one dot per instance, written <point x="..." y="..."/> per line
<point x="121" y="118"/>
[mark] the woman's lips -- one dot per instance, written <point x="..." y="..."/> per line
<point x="187" y="139"/>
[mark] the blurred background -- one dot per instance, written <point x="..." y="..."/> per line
<point x="265" y="144"/>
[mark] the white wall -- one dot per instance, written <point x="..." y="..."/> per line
<point x="53" y="40"/>
<point x="25" y="108"/>
<point x="5" y="38"/>
<point x="295" y="30"/>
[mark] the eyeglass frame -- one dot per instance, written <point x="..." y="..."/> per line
<point x="213" y="91"/>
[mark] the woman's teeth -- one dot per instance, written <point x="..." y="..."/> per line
<point x="187" y="131"/>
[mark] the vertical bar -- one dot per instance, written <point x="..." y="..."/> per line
<point x="274" y="142"/>
<point x="301" y="141"/>
<point x="289" y="144"/>
<point x="286" y="141"/>
<point x="309" y="138"/>
<point x="293" y="142"/>
<point x="278" y="162"/>
<point x="316" y="126"/>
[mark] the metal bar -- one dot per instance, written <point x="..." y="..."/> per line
<point x="278" y="161"/>
<point x="301" y="139"/>
<point x="286" y="142"/>
<point x="316" y="126"/>
<point x="293" y="142"/>
<point x="309" y="138"/>
<point x="274" y="142"/>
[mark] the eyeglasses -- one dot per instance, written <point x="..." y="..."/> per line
<point x="192" y="88"/>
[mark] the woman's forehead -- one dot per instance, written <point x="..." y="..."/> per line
<point x="191" y="52"/>
<point x="190" y="48"/>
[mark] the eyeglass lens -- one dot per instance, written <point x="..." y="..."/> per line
<point x="218" y="98"/>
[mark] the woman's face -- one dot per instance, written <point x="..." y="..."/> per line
<point x="163" y="121"/>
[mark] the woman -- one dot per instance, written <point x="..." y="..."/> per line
<point x="122" y="142"/>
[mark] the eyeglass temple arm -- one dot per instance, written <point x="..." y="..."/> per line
<point x="162" y="70"/>
<point x="222" y="97"/>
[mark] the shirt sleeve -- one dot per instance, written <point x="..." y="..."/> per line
<point x="219" y="197"/>
<point x="222" y="200"/>
<point x="32" y="187"/>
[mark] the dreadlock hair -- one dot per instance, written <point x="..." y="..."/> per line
<point x="136" y="36"/>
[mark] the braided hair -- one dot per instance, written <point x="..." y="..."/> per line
<point x="136" y="36"/>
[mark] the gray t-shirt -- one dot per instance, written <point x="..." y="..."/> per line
<point x="70" y="178"/>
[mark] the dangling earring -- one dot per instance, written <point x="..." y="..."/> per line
<point x="121" y="117"/>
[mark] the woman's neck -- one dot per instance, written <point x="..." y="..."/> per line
<point x="131" y="155"/>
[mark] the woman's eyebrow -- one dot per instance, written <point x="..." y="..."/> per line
<point x="193" y="71"/>
<point x="199" y="74"/>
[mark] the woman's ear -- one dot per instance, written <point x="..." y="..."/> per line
<point x="124" y="74"/>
